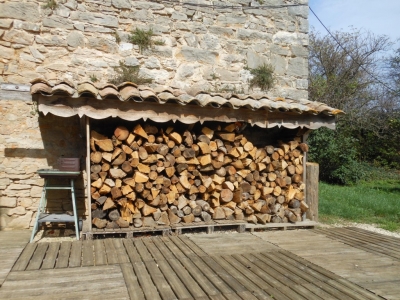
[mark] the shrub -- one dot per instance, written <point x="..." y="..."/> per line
<point x="124" y="73"/>
<point x="336" y="154"/>
<point x="263" y="77"/>
<point x="144" y="39"/>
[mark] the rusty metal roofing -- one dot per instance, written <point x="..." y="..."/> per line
<point x="129" y="91"/>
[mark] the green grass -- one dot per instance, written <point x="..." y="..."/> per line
<point x="374" y="202"/>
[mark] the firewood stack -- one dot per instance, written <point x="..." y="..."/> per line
<point x="151" y="176"/>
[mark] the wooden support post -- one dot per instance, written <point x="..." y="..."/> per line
<point x="89" y="183"/>
<point x="312" y="171"/>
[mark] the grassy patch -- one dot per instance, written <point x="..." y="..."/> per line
<point x="373" y="202"/>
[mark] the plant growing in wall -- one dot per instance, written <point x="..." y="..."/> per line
<point x="124" y="73"/>
<point x="52" y="4"/>
<point x="263" y="77"/>
<point x="144" y="39"/>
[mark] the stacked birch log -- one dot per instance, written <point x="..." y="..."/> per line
<point x="153" y="176"/>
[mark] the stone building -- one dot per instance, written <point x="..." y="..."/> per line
<point x="208" y="46"/>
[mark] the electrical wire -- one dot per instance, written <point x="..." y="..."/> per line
<point x="397" y="93"/>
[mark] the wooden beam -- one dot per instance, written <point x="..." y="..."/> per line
<point x="88" y="197"/>
<point x="312" y="170"/>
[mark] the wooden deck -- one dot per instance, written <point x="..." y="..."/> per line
<point x="11" y="245"/>
<point x="294" y="264"/>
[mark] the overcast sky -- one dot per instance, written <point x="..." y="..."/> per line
<point x="380" y="17"/>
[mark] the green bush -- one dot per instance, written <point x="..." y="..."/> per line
<point x="336" y="154"/>
<point x="263" y="77"/>
<point x="124" y="73"/>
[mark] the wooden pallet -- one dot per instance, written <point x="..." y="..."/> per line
<point x="127" y="232"/>
<point x="210" y="227"/>
<point x="282" y="226"/>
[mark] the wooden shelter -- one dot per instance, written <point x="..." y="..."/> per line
<point x="221" y="172"/>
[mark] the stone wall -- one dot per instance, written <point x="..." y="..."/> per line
<point x="206" y="48"/>
<point x="29" y="142"/>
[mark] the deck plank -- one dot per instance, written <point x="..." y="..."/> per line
<point x="194" y="289"/>
<point x="25" y="257"/>
<point x="63" y="255"/>
<point x="51" y="256"/>
<point x="141" y="248"/>
<point x="100" y="257"/>
<point x="174" y="281"/>
<point x="133" y="254"/>
<point x="65" y="283"/>
<point x="159" y="280"/>
<point x="87" y="253"/>
<point x="75" y="258"/>
<point x="112" y="257"/>
<point x="155" y="253"/>
<point x="145" y="281"/>
<point x="120" y="251"/>
<point x="132" y="282"/>
<point x="38" y="256"/>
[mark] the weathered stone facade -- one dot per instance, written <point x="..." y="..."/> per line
<point x="206" y="48"/>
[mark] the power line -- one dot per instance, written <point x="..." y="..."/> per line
<point x="352" y="58"/>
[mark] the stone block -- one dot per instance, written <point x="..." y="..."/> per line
<point x="163" y="51"/>
<point x="36" y="53"/>
<point x="131" y="61"/>
<point x="25" y="202"/>
<point x="298" y="11"/>
<point x="231" y="19"/>
<point x="297" y="67"/>
<point x="26" y="26"/>
<point x="20" y="10"/>
<point x="76" y="39"/>
<point x="98" y="29"/>
<point x="152" y="63"/>
<point x="36" y="191"/>
<point x="103" y="44"/>
<point x="299" y="51"/>
<point x="8" y="201"/>
<point x="71" y="4"/>
<point x="51" y="40"/>
<point x="222" y="31"/>
<point x="248" y="34"/>
<point x="95" y="18"/>
<point x="19" y="210"/>
<point x="18" y="37"/>
<point x="279" y="63"/>
<point x="147" y="5"/>
<point x="5" y="23"/>
<point x="16" y="186"/>
<point x="57" y="22"/>
<point x="226" y="75"/>
<point x="200" y="55"/>
<point x="121" y="3"/>
<point x="25" y="58"/>
<point x="255" y="60"/>
<point x="57" y="67"/>
<point x="21" y="222"/>
<point x="210" y="42"/>
<point x="7" y="53"/>
<point x="178" y="16"/>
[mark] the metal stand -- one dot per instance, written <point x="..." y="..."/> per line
<point x="42" y="216"/>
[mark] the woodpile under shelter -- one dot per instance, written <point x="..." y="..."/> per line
<point x="159" y="158"/>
